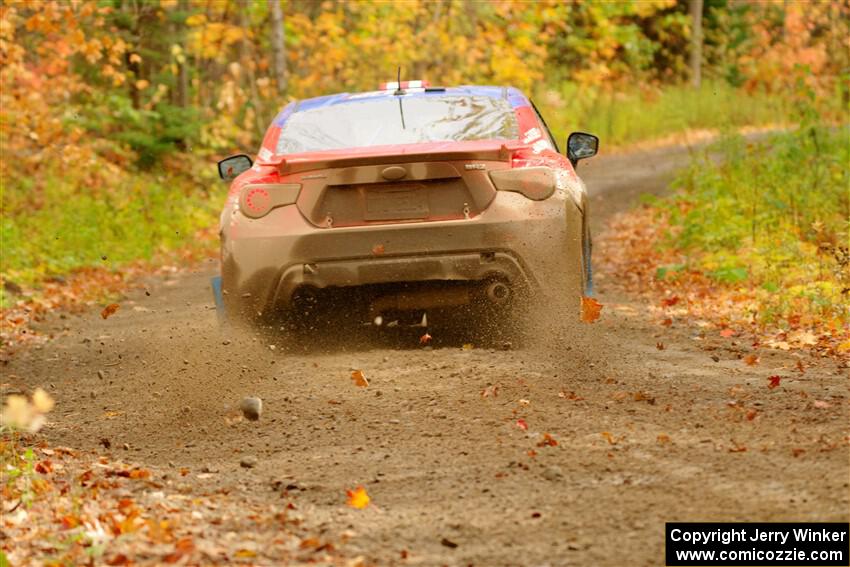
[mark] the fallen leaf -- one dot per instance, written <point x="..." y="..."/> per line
<point x="467" y="346"/>
<point x="547" y="441"/>
<point x="425" y="339"/>
<point x="245" y="553"/>
<point x="659" y="345"/>
<point x="774" y="381"/>
<point x="670" y="301"/>
<point x="668" y="322"/>
<point x="569" y="395"/>
<point x="448" y="543"/>
<point x="644" y="397"/>
<point x="182" y="547"/>
<point x="800" y="368"/>
<point x="751" y="414"/>
<point x="820" y="404"/>
<point x="610" y="438"/>
<point x="797" y="452"/>
<point x="726" y="333"/>
<point x="751" y="359"/>
<point x="590" y="309"/>
<point x="736" y="447"/>
<point x="522" y="424"/>
<point x="490" y="391"/>
<point x="358" y="498"/>
<point x="42" y="401"/>
<point x="662" y="439"/>
<point x="378" y="249"/>
<point x="109" y="310"/>
<point x="359" y="378"/>
<point x="532" y="453"/>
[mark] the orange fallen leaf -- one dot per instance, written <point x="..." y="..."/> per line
<point x="359" y="378"/>
<point x="644" y="397"/>
<point x="590" y="309"/>
<point x="773" y="381"/>
<point x="522" y="424"/>
<point x="668" y="322"/>
<point x="245" y="553"/>
<point x="659" y="345"/>
<point x="662" y="439"/>
<point x="378" y="249"/>
<point x="70" y="522"/>
<point x="183" y="546"/>
<point x="751" y="414"/>
<point x="425" y="339"/>
<point x="532" y="453"/>
<point x="109" y="310"/>
<point x="800" y="368"/>
<point x="737" y="448"/>
<point x="670" y="301"/>
<point x="119" y="559"/>
<point x="358" y="498"/>
<point x="726" y="333"/>
<point x="751" y="359"/>
<point x="547" y="441"/>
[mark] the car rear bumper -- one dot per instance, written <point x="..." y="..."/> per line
<point x="519" y="241"/>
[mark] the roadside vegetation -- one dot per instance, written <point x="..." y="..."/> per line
<point x="755" y="239"/>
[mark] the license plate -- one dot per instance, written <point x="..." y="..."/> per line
<point x="396" y="203"/>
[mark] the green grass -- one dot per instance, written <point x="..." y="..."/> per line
<point x="59" y="226"/>
<point x="626" y="117"/>
<point x="773" y="216"/>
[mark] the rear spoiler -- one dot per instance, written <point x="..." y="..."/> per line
<point x="483" y="151"/>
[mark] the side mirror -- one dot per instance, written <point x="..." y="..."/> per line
<point x="580" y="146"/>
<point x="230" y="168"/>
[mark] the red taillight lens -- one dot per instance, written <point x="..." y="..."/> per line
<point x="256" y="201"/>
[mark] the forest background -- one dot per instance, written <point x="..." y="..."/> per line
<point x="113" y="113"/>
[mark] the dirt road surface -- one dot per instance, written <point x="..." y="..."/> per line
<point x="644" y="436"/>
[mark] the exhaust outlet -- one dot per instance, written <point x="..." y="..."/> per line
<point x="497" y="293"/>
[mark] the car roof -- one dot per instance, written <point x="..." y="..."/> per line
<point x="512" y="95"/>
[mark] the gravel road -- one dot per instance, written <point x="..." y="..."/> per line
<point x="621" y="437"/>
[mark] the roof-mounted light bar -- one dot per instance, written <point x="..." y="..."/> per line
<point x="404" y="85"/>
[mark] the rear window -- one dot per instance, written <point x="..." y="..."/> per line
<point x="378" y="122"/>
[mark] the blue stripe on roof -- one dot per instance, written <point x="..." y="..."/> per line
<point x="514" y="96"/>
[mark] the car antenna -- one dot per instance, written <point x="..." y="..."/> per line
<point x="399" y="92"/>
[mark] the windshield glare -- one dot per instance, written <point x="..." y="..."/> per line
<point x="378" y="122"/>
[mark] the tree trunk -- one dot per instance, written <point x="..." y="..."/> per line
<point x="696" y="42"/>
<point x="182" y="69"/>
<point x="278" y="45"/>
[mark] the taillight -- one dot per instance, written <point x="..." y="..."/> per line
<point x="256" y="201"/>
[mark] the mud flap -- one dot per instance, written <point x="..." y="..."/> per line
<point x="588" y="267"/>
<point x="215" y="284"/>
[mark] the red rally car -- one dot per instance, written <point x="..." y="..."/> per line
<point x="401" y="201"/>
